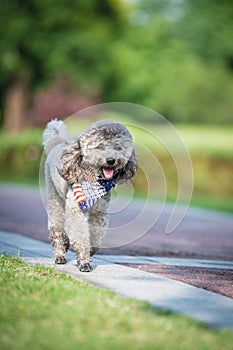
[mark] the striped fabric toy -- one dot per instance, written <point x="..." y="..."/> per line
<point x="89" y="191"/>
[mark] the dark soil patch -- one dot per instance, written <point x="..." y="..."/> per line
<point x="214" y="280"/>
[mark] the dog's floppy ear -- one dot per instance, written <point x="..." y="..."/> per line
<point x="71" y="162"/>
<point x="128" y="172"/>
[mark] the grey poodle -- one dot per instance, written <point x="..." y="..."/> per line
<point x="80" y="173"/>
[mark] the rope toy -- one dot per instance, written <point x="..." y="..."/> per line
<point x="89" y="191"/>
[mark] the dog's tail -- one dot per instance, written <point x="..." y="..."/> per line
<point x="54" y="133"/>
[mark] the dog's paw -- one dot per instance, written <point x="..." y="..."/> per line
<point x="85" y="267"/>
<point x="60" y="260"/>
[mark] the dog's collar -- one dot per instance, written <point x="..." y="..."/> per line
<point x="87" y="193"/>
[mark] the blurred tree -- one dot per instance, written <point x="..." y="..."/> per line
<point x="207" y="27"/>
<point x="176" y="58"/>
<point x="41" y="40"/>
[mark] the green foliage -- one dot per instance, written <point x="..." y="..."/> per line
<point x="46" y="39"/>
<point x="158" y="66"/>
<point x="207" y="28"/>
<point x="43" y="309"/>
<point x="173" y="56"/>
<point x="20" y="156"/>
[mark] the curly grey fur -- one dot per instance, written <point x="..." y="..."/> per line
<point x="67" y="158"/>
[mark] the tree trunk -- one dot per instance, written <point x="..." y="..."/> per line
<point x="15" y="105"/>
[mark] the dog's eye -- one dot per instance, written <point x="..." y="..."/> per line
<point x="118" y="148"/>
<point x="100" y="146"/>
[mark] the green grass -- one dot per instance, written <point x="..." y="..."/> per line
<point x="199" y="140"/>
<point x="216" y="141"/>
<point x="213" y="203"/>
<point x="213" y="140"/>
<point x="41" y="309"/>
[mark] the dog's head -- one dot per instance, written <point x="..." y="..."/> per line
<point x="105" y="147"/>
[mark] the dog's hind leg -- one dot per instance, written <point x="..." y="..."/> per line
<point x="58" y="237"/>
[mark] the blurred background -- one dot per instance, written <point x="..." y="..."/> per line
<point x="174" y="56"/>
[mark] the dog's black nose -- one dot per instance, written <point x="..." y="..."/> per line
<point x="110" y="161"/>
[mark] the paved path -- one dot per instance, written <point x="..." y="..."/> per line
<point x="213" y="309"/>
<point x="201" y="234"/>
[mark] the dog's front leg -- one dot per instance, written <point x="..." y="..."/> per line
<point x="77" y="229"/>
<point x="98" y="221"/>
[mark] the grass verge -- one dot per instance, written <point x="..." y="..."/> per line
<point x="41" y="309"/>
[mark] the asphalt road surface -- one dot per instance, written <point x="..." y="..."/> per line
<point x="136" y="227"/>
